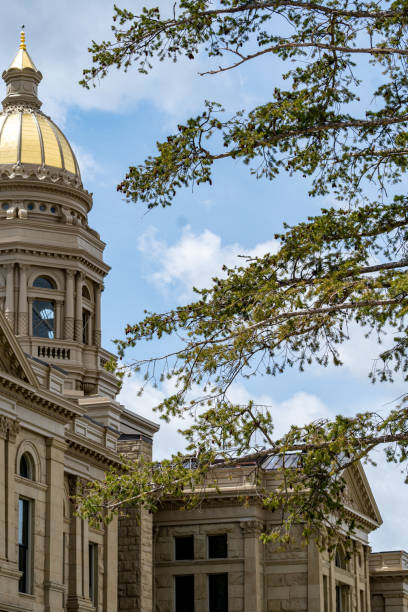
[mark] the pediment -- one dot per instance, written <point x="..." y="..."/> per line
<point x="12" y="358"/>
<point x="358" y="494"/>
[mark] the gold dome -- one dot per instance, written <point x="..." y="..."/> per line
<point x="29" y="137"/>
<point x="30" y="143"/>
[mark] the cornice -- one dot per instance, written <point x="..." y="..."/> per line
<point x="44" y="401"/>
<point x="82" y="257"/>
<point x="13" y="178"/>
<point x="86" y="447"/>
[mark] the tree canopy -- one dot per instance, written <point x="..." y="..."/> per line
<point x="343" y="268"/>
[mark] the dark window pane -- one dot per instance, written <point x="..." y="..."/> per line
<point x="86" y="317"/>
<point x="184" y="548"/>
<point x="218" y="592"/>
<point x="24" y="467"/>
<point x="85" y="292"/>
<point x="184" y="593"/>
<point x="43" y="319"/>
<point x="44" y="283"/>
<point x="217" y="546"/>
<point x="24" y="544"/>
<point x="92" y="571"/>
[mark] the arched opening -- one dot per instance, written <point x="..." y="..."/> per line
<point x="44" y="282"/>
<point x="85" y="293"/>
<point x="340" y="559"/>
<point x="26" y="467"/>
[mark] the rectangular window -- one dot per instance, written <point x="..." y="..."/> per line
<point x="86" y="317"/>
<point x="217" y="546"/>
<point x="184" y="593"/>
<point x="43" y="319"/>
<point x="184" y="548"/>
<point x="218" y="592"/>
<point x="362" y="601"/>
<point x="93" y="576"/>
<point x="24" y="545"/>
<point x="342" y="598"/>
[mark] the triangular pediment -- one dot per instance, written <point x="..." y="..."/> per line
<point x="358" y="495"/>
<point x="12" y="359"/>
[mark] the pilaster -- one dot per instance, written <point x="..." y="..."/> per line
<point x="78" y="307"/>
<point x="9" y="304"/>
<point x="22" y="302"/>
<point x="253" y="573"/>
<point x="69" y="306"/>
<point x="97" y="328"/>
<point x="54" y="588"/>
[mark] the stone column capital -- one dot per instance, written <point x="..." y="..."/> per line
<point x="252" y="528"/>
<point x="70" y="273"/>
<point x="9" y="267"/>
<point x="9" y="428"/>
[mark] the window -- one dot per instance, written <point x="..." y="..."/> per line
<point x="85" y="292"/>
<point x="24" y="544"/>
<point x="340" y="558"/>
<point x="184" y="546"/>
<point x="43" y="282"/>
<point x="86" y="317"/>
<point x="26" y="467"/>
<point x="342" y="598"/>
<point x="362" y="601"/>
<point x="184" y="595"/>
<point x="43" y="319"/>
<point x="93" y="565"/>
<point x="217" y="546"/>
<point x="218" y="592"/>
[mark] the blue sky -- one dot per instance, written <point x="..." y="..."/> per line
<point x="156" y="256"/>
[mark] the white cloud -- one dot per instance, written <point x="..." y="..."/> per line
<point x="61" y="54"/>
<point x="299" y="409"/>
<point x="385" y="480"/>
<point x="88" y="165"/>
<point x="194" y="259"/>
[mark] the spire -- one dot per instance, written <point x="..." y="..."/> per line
<point x="22" y="39"/>
<point x="22" y="78"/>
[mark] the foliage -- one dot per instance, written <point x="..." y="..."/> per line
<point x="340" y="269"/>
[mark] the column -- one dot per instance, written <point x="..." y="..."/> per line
<point x="110" y="570"/>
<point x="97" y="326"/>
<point x="3" y="494"/>
<point x="58" y="323"/>
<point x="9" y="306"/>
<point x="22" y="302"/>
<point x="11" y="515"/>
<point x="253" y="571"/>
<point x="54" y="526"/>
<point x="313" y="577"/>
<point x="78" y="308"/>
<point x="69" y="305"/>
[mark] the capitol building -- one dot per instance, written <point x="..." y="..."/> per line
<point x="60" y="425"/>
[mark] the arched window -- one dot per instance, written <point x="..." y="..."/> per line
<point x="26" y="468"/>
<point x="340" y="558"/>
<point x="44" y="282"/>
<point x="85" y="292"/>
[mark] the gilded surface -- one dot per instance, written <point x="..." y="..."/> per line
<point x="36" y="141"/>
<point x="30" y="142"/>
<point x="22" y="60"/>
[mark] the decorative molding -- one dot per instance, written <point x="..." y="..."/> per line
<point x="252" y="528"/>
<point x="9" y="428"/>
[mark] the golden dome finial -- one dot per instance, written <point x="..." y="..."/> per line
<point x="22" y="39"/>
